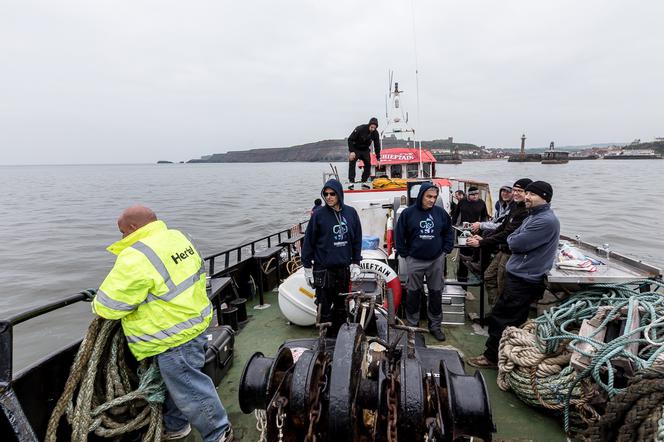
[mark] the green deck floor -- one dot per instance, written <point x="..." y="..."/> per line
<point x="267" y="329"/>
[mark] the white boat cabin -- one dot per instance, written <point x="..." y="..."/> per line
<point x="394" y="187"/>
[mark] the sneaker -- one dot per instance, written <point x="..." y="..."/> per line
<point x="179" y="434"/>
<point x="366" y="186"/>
<point x="351" y="187"/>
<point x="481" y="362"/>
<point x="438" y="334"/>
<point x="227" y="436"/>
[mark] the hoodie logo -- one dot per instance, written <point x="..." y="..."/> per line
<point x="426" y="227"/>
<point x="339" y="232"/>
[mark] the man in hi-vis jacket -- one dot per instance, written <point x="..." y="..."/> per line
<point x="157" y="289"/>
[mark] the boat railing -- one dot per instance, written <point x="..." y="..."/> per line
<point x="246" y="250"/>
<point x="6" y="333"/>
<point x="229" y="258"/>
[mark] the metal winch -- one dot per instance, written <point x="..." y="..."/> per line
<point x="377" y="381"/>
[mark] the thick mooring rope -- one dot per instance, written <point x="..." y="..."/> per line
<point x="533" y="359"/>
<point x="541" y="380"/>
<point x="111" y="400"/>
<point x="636" y="413"/>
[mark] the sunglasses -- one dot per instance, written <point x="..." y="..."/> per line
<point x="329" y="194"/>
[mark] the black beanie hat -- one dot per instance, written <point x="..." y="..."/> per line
<point x="542" y="189"/>
<point x="522" y="183"/>
<point x="373" y="120"/>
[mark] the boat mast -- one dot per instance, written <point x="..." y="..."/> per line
<point x="417" y="83"/>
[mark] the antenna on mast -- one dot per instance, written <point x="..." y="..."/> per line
<point x="417" y="81"/>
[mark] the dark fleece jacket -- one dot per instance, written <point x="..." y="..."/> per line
<point x="333" y="238"/>
<point x="361" y="138"/>
<point x="511" y="222"/>
<point x="424" y="234"/>
<point x="470" y="211"/>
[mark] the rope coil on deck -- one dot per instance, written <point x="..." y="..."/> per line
<point x="104" y="395"/>
<point x="534" y="360"/>
<point x="636" y="413"/>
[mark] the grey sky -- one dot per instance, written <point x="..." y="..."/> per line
<point x="137" y="81"/>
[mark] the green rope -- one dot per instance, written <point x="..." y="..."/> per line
<point x="104" y="395"/>
<point x="559" y="326"/>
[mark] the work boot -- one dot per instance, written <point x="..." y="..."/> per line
<point x="179" y="434"/>
<point x="481" y="361"/>
<point x="438" y="334"/>
<point x="227" y="436"/>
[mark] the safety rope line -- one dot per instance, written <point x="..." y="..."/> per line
<point x="104" y="395"/>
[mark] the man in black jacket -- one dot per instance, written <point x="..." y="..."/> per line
<point x="359" y="142"/>
<point x="469" y="210"/>
<point x="494" y="276"/>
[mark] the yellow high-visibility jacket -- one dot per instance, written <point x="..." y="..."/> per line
<point x="157" y="289"/>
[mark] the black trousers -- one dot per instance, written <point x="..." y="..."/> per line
<point x="462" y="270"/>
<point x="332" y="307"/>
<point x="511" y="309"/>
<point x="365" y="156"/>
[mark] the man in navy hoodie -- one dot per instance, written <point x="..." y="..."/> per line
<point x="534" y="246"/>
<point x="331" y="254"/>
<point x="424" y="234"/>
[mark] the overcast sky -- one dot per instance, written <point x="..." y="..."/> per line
<point x="138" y="81"/>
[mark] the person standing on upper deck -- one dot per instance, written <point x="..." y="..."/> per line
<point x="359" y="143"/>
<point x="424" y="235"/>
<point x="331" y="254"/>
<point x="534" y="246"/>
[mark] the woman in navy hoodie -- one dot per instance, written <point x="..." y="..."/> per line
<point x="331" y="253"/>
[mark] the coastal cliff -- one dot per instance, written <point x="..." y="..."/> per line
<point x="325" y="150"/>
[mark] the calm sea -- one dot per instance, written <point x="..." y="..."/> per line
<point x="57" y="220"/>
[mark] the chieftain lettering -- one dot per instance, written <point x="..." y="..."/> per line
<point x="179" y="257"/>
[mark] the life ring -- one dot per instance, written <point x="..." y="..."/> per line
<point x="386" y="272"/>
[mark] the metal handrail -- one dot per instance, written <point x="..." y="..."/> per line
<point x="237" y="250"/>
<point x="7" y="324"/>
<point x="7" y="335"/>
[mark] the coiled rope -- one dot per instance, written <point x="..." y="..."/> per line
<point x="104" y="395"/>
<point x="537" y="352"/>
<point x="636" y="413"/>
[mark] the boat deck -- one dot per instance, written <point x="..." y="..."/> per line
<point x="267" y="329"/>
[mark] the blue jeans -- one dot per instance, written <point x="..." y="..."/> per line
<point x="192" y="397"/>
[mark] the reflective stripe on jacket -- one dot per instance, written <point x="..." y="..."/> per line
<point x="157" y="289"/>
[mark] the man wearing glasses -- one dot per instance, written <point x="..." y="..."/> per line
<point x="494" y="275"/>
<point x="534" y="245"/>
<point x="331" y="254"/>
